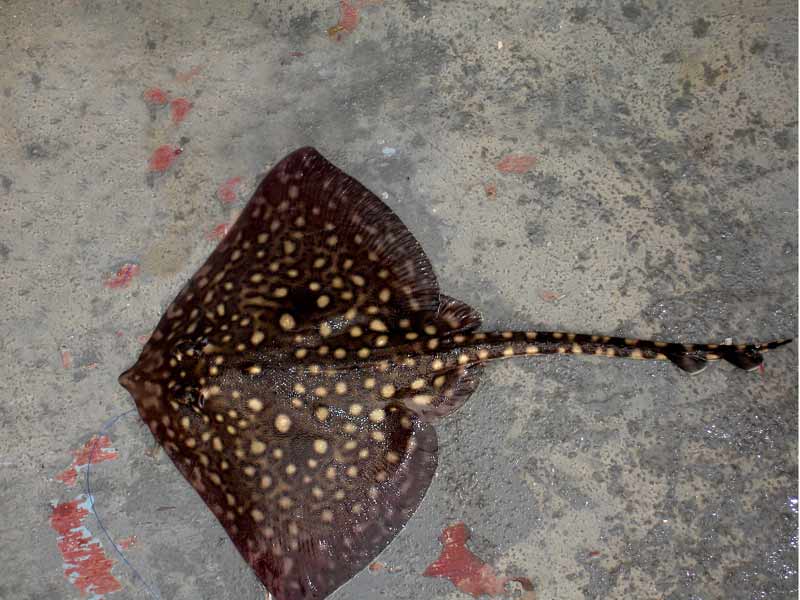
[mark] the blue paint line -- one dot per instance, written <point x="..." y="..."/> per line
<point x="91" y="503"/>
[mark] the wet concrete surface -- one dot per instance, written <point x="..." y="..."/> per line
<point x="660" y="202"/>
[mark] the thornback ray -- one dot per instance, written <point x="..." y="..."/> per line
<point x="295" y="379"/>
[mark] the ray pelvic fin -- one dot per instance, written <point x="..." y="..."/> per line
<point x="294" y="378"/>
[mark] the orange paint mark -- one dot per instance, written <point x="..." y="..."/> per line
<point x="66" y="359"/>
<point x="516" y="164"/>
<point x="376" y="566"/>
<point x="86" y="565"/>
<point x="102" y="452"/>
<point x="465" y="570"/>
<point x="490" y="189"/>
<point x="219" y="232"/>
<point x="162" y="157"/>
<point x="185" y="76"/>
<point x="178" y="109"/>
<point x="155" y="96"/>
<point x="349" y="17"/>
<point x="123" y="277"/>
<point x="228" y="192"/>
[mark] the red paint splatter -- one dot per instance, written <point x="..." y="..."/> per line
<point x="465" y="570"/>
<point x="66" y="359"/>
<point x="348" y="17"/>
<point x="86" y="565"/>
<point x="102" y="452"/>
<point x="184" y="76"/>
<point x="142" y="339"/>
<point x="219" y="232"/>
<point x="490" y="189"/>
<point x="123" y="277"/>
<point x="376" y="566"/>
<point x="549" y="296"/>
<point x="162" y="157"/>
<point x="178" y="109"/>
<point x="297" y="54"/>
<point x="516" y="164"/>
<point x="228" y="191"/>
<point x="155" y="96"/>
<point x="127" y="542"/>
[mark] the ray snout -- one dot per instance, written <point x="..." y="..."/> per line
<point x="126" y="379"/>
<point x="147" y="392"/>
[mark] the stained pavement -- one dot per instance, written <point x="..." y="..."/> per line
<point x="654" y="195"/>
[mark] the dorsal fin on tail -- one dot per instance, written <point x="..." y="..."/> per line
<point x="686" y="362"/>
<point x="748" y="357"/>
<point x="694" y="359"/>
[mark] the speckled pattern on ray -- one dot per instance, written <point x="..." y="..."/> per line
<point x="293" y="379"/>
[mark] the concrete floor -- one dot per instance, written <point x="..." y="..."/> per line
<point x="662" y="203"/>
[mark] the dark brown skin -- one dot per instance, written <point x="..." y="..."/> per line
<point x="294" y="378"/>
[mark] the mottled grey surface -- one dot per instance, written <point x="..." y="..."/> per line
<point x="663" y="204"/>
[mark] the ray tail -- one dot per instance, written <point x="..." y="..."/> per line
<point x="692" y="358"/>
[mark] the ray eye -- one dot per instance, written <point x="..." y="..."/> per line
<point x="192" y="398"/>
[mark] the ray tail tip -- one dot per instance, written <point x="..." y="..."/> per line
<point x="778" y="343"/>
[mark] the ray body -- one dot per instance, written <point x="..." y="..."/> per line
<point x="294" y="379"/>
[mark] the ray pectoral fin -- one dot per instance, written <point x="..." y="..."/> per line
<point x="314" y="244"/>
<point x="358" y="498"/>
